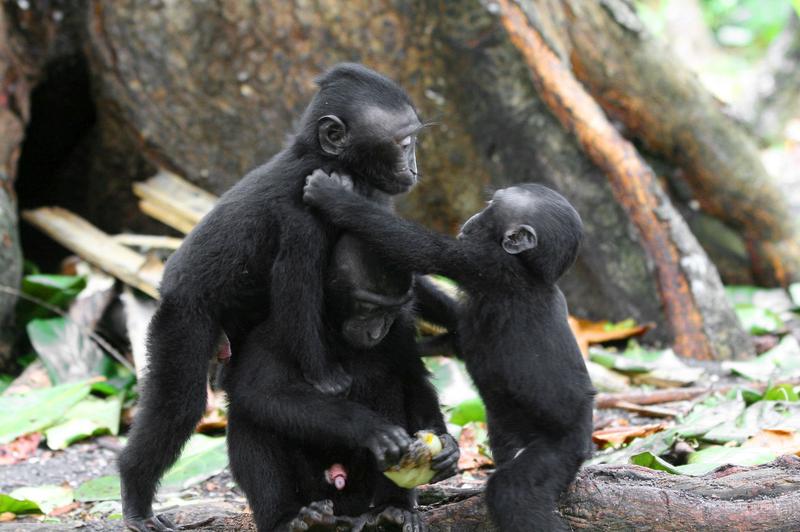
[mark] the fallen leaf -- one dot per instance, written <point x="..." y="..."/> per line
<point x="61" y="510"/>
<point x="616" y="436"/>
<point x="645" y="410"/>
<point x="596" y="332"/>
<point x="34" y="377"/>
<point x="20" y="449"/>
<point x="472" y="442"/>
<point x="777" y="440"/>
<point x="5" y="517"/>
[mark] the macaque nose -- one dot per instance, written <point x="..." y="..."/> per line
<point x="375" y="332"/>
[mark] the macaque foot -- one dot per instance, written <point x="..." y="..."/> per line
<point x="147" y="524"/>
<point x="403" y="518"/>
<point x="318" y="515"/>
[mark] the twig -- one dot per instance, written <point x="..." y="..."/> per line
<point x="612" y="400"/>
<point x="647" y="411"/>
<point x="116" y="355"/>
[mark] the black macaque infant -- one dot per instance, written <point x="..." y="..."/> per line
<point x="311" y="461"/>
<point x="512" y="330"/>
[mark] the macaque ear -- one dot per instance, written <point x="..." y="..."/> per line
<point x="520" y="238"/>
<point x="332" y="134"/>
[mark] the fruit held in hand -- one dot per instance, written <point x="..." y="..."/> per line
<point x="414" y="468"/>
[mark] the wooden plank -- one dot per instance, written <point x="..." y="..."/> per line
<point x="147" y="241"/>
<point x="173" y="200"/>
<point x="98" y="248"/>
<point x="166" y="215"/>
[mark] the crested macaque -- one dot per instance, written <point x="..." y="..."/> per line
<point x="260" y="256"/>
<point x="512" y="331"/>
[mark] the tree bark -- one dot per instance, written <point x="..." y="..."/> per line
<point x="612" y="498"/>
<point x="185" y="79"/>
<point x="639" y="82"/>
<point x="634" y="184"/>
<point x="16" y="79"/>
<point x="636" y="498"/>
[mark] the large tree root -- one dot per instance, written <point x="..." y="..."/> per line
<point x="629" y="497"/>
<point x="608" y="497"/>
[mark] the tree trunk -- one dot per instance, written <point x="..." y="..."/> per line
<point x="15" y="84"/>
<point x="184" y="78"/>
<point x="640" y="83"/>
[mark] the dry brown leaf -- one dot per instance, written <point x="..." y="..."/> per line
<point x="20" y="449"/>
<point x="5" y="517"/>
<point x="616" y="436"/>
<point x="778" y="440"/>
<point x="67" y="508"/>
<point x="596" y="332"/>
<point x="471" y="458"/>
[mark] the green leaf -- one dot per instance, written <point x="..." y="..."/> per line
<point x="65" y="350"/>
<point x="90" y="417"/>
<point x="17" y="506"/>
<point x="657" y="444"/>
<point x="740" y="294"/>
<point x="719" y="455"/>
<point x="784" y="357"/>
<point x="56" y="290"/>
<point x="794" y="288"/>
<point x="707" y="460"/>
<point x="756" y="320"/>
<point x="774" y="299"/>
<point x="782" y="392"/>
<point x="658" y="367"/>
<point x="99" y="489"/>
<point x="749" y="395"/>
<point x="202" y="458"/>
<point x="468" y="411"/>
<point x="5" y="381"/>
<point x="756" y="417"/>
<point x="648" y="459"/>
<point x="45" y="497"/>
<point x="706" y="416"/>
<point x="108" y="506"/>
<point x="105" y="389"/>
<point x="618" y="362"/>
<point x="38" y="409"/>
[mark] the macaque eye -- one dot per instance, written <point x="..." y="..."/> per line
<point x="365" y="308"/>
<point x="406" y="142"/>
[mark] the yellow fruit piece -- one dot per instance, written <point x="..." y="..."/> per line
<point x="414" y="468"/>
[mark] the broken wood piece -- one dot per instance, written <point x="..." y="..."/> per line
<point x="647" y="411"/>
<point x="148" y="241"/>
<point x="174" y="201"/>
<point x="97" y="247"/>
<point x="165" y="215"/>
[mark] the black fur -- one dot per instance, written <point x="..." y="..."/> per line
<point x="283" y="434"/>
<point x="259" y="254"/>
<point x="513" y="332"/>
